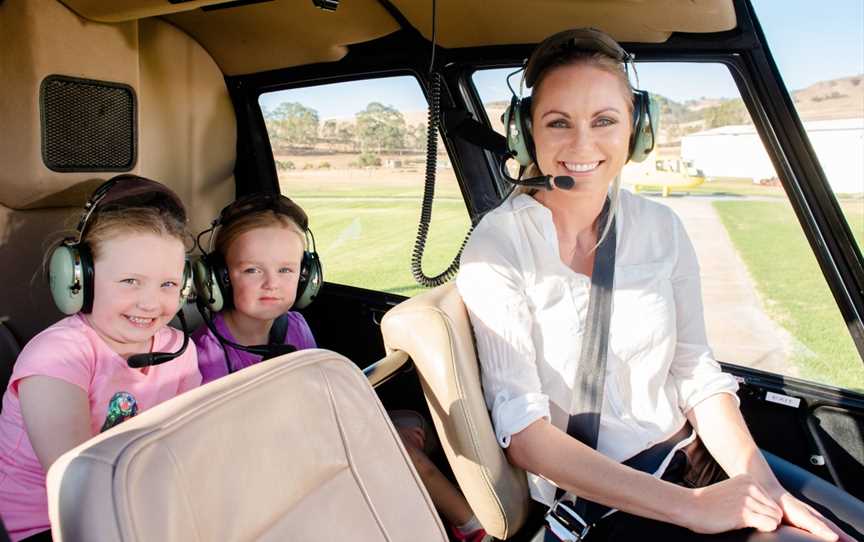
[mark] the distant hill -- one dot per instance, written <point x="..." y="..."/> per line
<point x="833" y="99"/>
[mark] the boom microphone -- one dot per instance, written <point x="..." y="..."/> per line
<point x="563" y="182"/>
<point x="139" y="361"/>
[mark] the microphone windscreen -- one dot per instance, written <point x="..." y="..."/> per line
<point x="139" y="361"/>
<point x="564" y="182"/>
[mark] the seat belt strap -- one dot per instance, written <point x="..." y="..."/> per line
<point x="584" y="421"/>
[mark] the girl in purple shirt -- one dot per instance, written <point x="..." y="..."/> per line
<point x="254" y="271"/>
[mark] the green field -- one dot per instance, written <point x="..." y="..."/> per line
<point x="365" y="235"/>
<point x="771" y="243"/>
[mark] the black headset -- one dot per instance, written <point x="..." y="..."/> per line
<point x="212" y="281"/>
<point x="70" y="268"/>
<point x="517" y="116"/>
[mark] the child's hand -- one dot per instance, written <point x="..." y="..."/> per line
<point x="412" y="437"/>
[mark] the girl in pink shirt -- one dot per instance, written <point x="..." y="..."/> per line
<point x="122" y="284"/>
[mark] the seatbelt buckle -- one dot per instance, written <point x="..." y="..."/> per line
<point x="563" y="522"/>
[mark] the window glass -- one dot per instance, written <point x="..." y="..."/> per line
<point x="826" y="80"/>
<point x="353" y="155"/>
<point x="767" y="304"/>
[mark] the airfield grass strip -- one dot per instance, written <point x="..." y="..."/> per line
<point x="769" y="239"/>
<point x="368" y="243"/>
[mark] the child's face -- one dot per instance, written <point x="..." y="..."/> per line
<point x="137" y="282"/>
<point x="264" y="267"/>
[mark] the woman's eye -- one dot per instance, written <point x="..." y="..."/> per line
<point x="558" y="123"/>
<point x="604" y="121"/>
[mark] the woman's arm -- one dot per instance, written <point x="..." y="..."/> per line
<point x="721" y="427"/>
<point x="543" y="449"/>
<point x="56" y="415"/>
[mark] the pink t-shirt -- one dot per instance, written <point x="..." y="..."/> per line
<point x="72" y="351"/>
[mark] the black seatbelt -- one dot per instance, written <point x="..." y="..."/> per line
<point x="584" y="422"/>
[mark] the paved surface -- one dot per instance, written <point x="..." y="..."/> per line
<point x="739" y="331"/>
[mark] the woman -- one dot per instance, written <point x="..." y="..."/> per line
<point x="525" y="279"/>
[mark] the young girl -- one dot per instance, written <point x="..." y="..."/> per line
<point x="256" y="268"/>
<point x="74" y="379"/>
<point x="259" y="250"/>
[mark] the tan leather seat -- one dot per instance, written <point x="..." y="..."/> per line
<point x="297" y="448"/>
<point x="433" y="328"/>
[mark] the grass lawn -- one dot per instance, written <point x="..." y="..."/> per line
<point x="365" y="234"/>
<point x="770" y="241"/>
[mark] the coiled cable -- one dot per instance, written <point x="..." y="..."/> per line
<point x="429" y="194"/>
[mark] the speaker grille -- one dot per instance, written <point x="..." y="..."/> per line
<point x="88" y="125"/>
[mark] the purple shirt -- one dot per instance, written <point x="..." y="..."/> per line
<point x="211" y="356"/>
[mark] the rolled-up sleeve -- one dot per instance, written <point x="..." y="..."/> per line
<point x="697" y="374"/>
<point x="490" y="286"/>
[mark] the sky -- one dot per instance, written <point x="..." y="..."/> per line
<point x="809" y="41"/>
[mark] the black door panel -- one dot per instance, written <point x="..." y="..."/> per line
<point x="347" y="320"/>
<point x="819" y="428"/>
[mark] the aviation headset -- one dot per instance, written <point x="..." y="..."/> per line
<point x="517" y="116"/>
<point x="70" y="268"/>
<point x="212" y="282"/>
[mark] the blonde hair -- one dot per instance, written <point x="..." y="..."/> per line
<point x="267" y="218"/>
<point x="608" y="65"/>
<point x="113" y="222"/>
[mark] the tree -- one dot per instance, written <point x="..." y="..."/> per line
<point x="727" y="113"/>
<point x="417" y="136"/>
<point x="292" y="123"/>
<point x="381" y="127"/>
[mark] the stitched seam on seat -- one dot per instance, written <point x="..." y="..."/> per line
<point x="349" y="457"/>
<point x="484" y="471"/>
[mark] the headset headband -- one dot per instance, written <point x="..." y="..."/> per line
<point x="130" y="191"/>
<point x="254" y="203"/>
<point x="577" y="39"/>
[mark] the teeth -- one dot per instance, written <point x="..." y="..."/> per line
<point x="137" y="320"/>
<point x="578" y="168"/>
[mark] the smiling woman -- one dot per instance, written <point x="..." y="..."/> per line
<point x="634" y="377"/>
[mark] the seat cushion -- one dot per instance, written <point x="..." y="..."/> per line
<point x="297" y="448"/>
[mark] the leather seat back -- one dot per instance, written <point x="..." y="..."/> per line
<point x="433" y="328"/>
<point x="298" y="448"/>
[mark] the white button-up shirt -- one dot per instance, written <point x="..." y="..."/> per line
<point x="528" y="310"/>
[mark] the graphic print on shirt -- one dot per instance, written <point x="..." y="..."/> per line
<point x="121" y="407"/>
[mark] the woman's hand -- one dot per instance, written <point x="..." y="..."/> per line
<point x="735" y="503"/>
<point x="802" y="515"/>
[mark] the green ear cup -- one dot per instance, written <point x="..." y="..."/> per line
<point x="66" y="279"/>
<point x="645" y="127"/>
<point x="206" y="287"/>
<point x="518" y="131"/>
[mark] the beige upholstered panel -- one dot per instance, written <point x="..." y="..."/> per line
<point x="283" y="33"/>
<point x="187" y="127"/>
<point x="40" y="38"/>
<point x="110" y="11"/>
<point x="25" y="301"/>
<point x="186" y="133"/>
<point x="517" y="21"/>
<point x="297" y="448"/>
<point x="433" y="328"/>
